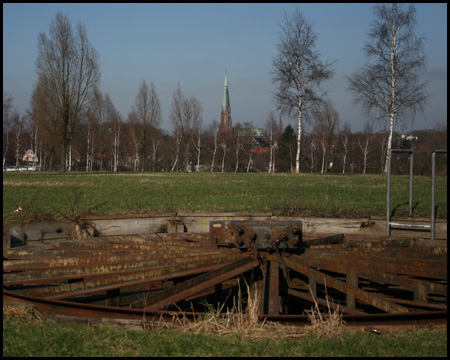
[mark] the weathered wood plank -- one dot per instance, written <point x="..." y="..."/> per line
<point x="20" y="234"/>
<point x="198" y="222"/>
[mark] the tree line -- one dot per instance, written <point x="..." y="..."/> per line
<point x="108" y="142"/>
<point x="71" y="125"/>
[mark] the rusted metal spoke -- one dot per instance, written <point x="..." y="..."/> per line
<point x="364" y="296"/>
<point x="200" y="283"/>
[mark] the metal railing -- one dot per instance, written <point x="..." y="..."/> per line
<point x="389" y="223"/>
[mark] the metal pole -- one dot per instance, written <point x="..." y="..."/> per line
<point x="433" y="198"/>
<point x="433" y="190"/>
<point x="411" y="166"/>
<point x="388" y="202"/>
<point x="388" y="205"/>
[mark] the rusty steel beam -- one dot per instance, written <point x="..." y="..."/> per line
<point x="328" y="304"/>
<point x="59" y="307"/>
<point x="114" y="281"/>
<point x="364" y="296"/>
<point x="369" y="271"/>
<point x="274" y="289"/>
<point x="110" y="276"/>
<point x="325" y="240"/>
<point x="200" y="283"/>
<point x="356" y="274"/>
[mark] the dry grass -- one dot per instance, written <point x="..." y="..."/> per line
<point x="326" y="325"/>
<point x="237" y="320"/>
<point x="23" y="312"/>
<point x="246" y="322"/>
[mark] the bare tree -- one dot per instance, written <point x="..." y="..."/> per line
<point x="298" y="70"/>
<point x="382" y="141"/>
<point x="117" y="132"/>
<point x="389" y="84"/>
<point x="135" y="138"/>
<point x="286" y="149"/>
<point x="17" y="130"/>
<point x="148" y="111"/>
<point x="224" y="147"/>
<point x="156" y="139"/>
<point x="67" y="65"/>
<point x="271" y="126"/>
<point x="45" y="133"/>
<point x="326" y="124"/>
<point x="365" y="147"/>
<point x="102" y="122"/>
<point x="38" y="115"/>
<point x="214" y="131"/>
<point x="90" y="144"/>
<point x="313" y="148"/>
<point x="176" y="149"/>
<point x="345" y="141"/>
<point x="237" y="144"/>
<point x="10" y="116"/>
<point x="185" y="115"/>
<point x="197" y="141"/>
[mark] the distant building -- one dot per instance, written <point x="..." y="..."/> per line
<point x="30" y="157"/>
<point x="256" y="132"/>
<point x="226" y="125"/>
<point x="253" y="138"/>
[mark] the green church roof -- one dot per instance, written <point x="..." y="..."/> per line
<point x="226" y="96"/>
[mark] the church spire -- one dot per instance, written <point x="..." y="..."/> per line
<point x="225" y="115"/>
<point x="226" y="96"/>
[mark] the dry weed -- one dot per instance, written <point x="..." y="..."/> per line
<point x="237" y="320"/>
<point x="246" y="322"/>
<point x="325" y="325"/>
<point x="22" y="312"/>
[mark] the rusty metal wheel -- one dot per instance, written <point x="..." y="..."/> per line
<point x="357" y="275"/>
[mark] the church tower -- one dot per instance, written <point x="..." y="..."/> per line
<point x="225" y="115"/>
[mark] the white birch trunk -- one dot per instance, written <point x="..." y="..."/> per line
<point x="392" y="107"/>
<point x="224" y="146"/>
<point x="297" y="158"/>
<point x="345" y="143"/>
<point x="214" y="151"/>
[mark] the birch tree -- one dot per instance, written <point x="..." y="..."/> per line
<point x="345" y="141"/>
<point x="298" y="71"/>
<point x="389" y="85"/>
<point x="135" y="138"/>
<point x="271" y="126"/>
<point x="117" y="132"/>
<point x="365" y="146"/>
<point x="224" y="147"/>
<point x="214" y="134"/>
<point x="156" y="139"/>
<point x="197" y="141"/>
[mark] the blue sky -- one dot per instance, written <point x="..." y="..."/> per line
<point x="194" y="43"/>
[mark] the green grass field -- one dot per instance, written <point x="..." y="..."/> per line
<point x="47" y="338"/>
<point x="54" y="196"/>
<point x="51" y="196"/>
